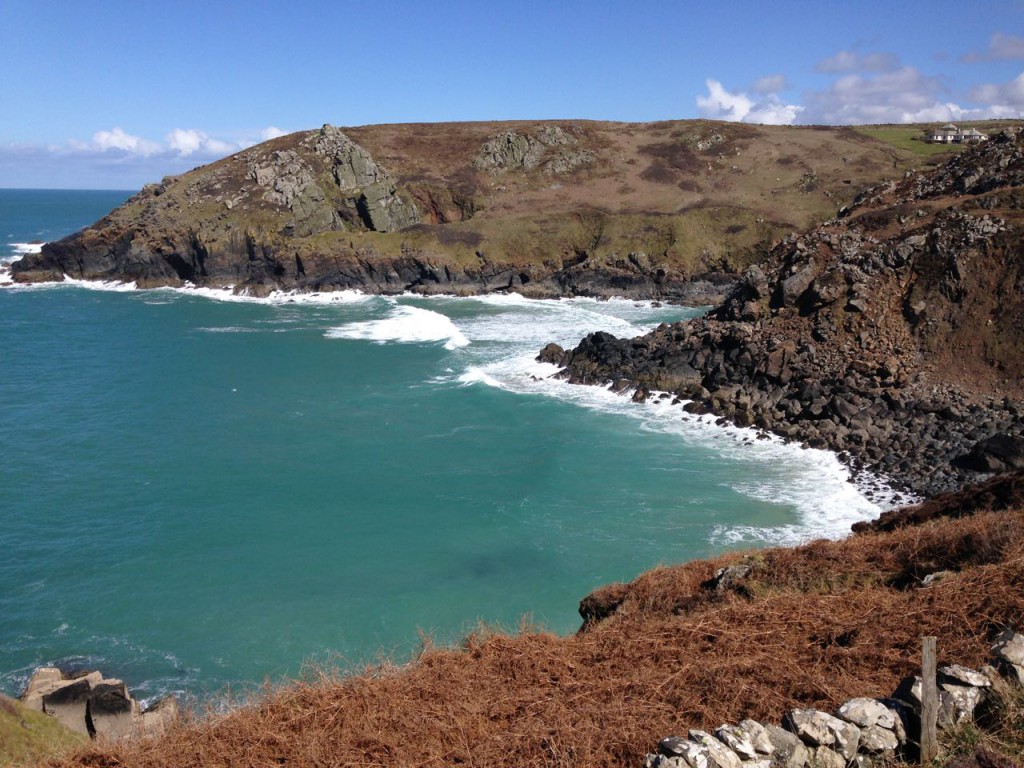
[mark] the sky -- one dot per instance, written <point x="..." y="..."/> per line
<point x="116" y="94"/>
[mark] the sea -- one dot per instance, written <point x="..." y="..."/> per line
<point x="203" y="493"/>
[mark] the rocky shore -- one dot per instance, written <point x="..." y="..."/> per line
<point x="927" y="440"/>
<point x="95" y="706"/>
<point x="892" y="334"/>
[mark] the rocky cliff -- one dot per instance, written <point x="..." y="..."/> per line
<point x="893" y="333"/>
<point x="661" y="210"/>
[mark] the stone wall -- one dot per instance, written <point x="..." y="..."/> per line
<point x="860" y="733"/>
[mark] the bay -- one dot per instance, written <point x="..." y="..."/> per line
<point x="201" y="490"/>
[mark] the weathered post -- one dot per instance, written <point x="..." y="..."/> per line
<point x="929" y="702"/>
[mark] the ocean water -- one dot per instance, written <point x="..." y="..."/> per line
<point x="201" y="491"/>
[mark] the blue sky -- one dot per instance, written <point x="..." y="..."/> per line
<point x="115" y="94"/>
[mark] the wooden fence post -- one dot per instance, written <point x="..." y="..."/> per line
<point x="929" y="702"/>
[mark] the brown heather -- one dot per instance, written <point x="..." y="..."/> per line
<point x="810" y="626"/>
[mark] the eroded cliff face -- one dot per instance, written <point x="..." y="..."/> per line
<point x="893" y="333"/>
<point x="664" y="211"/>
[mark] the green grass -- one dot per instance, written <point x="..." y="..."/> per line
<point x="909" y="138"/>
<point x="28" y="737"/>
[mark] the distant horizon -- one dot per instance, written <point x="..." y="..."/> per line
<point x="70" y="189"/>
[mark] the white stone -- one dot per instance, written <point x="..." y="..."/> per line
<point x="718" y="753"/>
<point x="736" y="739"/>
<point x="963" y="676"/>
<point x="823" y="757"/>
<point x="820" y="729"/>
<point x="696" y="755"/>
<point x="957" y="703"/>
<point x="1009" y="647"/>
<point x="867" y="712"/>
<point x="758" y="736"/>
<point x="876" y="740"/>
<point x="660" y="761"/>
<point x="790" y="752"/>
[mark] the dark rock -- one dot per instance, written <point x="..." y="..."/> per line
<point x="69" y="704"/>
<point x="792" y="288"/>
<point x="672" y="746"/>
<point x="602" y="603"/>
<point x="552" y="353"/>
<point x="999" y="453"/>
<point x="111" y="712"/>
<point x="730" y="577"/>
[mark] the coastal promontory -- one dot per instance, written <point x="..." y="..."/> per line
<point x="668" y="210"/>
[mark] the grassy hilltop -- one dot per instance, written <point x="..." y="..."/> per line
<point x="543" y="208"/>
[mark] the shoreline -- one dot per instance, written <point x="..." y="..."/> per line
<point x="621" y="403"/>
<point x="865" y="478"/>
<point x="922" y="438"/>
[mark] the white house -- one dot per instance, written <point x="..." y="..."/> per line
<point x="950" y="134"/>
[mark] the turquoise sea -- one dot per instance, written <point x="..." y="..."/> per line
<point x="201" y="491"/>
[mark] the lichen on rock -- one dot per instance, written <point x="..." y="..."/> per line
<point x="372" y="189"/>
<point x="552" y="149"/>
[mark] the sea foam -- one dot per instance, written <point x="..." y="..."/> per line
<point x="498" y="337"/>
<point x="23" y="249"/>
<point x="17" y="250"/>
<point x="404" y="324"/>
<point x="813" y="482"/>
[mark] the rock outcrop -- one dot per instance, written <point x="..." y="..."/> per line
<point x="95" y="706"/>
<point x="893" y="334"/>
<point x="552" y="149"/>
<point x="374" y="193"/>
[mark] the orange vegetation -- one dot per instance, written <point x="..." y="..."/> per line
<point x="808" y="626"/>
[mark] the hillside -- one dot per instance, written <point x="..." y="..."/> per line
<point x="657" y="210"/>
<point x="893" y="333"/>
<point x="27" y="736"/>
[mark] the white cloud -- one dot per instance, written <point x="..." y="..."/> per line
<point x="1008" y="97"/>
<point x="901" y="96"/>
<point x="772" y="111"/>
<point x="721" y="104"/>
<point x="119" y="139"/>
<point x="1001" y="47"/>
<point x="904" y="96"/>
<point x="114" y="159"/>
<point x="188" y="142"/>
<point x="849" y="61"/>
<point x="184" y="142"/>
<point x="272" y="132"/>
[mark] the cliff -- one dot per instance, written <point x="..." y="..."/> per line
<point x="893" y="333"/>
<point x="668" y="210"/>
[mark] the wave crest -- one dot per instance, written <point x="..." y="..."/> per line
<point x="405" y="325"/>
